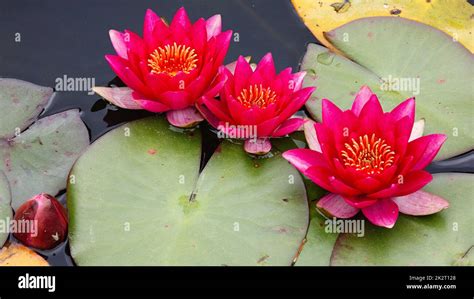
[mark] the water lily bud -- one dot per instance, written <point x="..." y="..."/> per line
<point x="45" y="220"/>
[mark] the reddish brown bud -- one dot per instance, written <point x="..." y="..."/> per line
<point x="46" y="220"/>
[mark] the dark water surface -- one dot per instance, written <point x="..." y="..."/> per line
<point x="71" y="38"/>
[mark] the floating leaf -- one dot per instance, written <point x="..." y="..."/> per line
<point x="19" y="255"/>
<point x="399" y="51"/>
<point x="441" y="239"/>
<point x="20" y="102"/>
<point x="319" y="243"/>
<point x="119" y="96"/>
<point x="38" y="159"/>
<point x="133" y="202"/>
<point x="452" y="17"/>
<point x="6" y="213"/>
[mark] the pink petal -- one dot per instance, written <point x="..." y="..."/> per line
<point x="362" y="97"/>
<point x="383" y="213"/>
<point x="231" y="66"/>
<point x="417" y="130"/>
<point x="372" y="111"/>
<point x="298" y="99"/>
<point x="425" y="149"/>
<point x="266" y="66"/>
<point x="298" y="80"/>
<point x="217" y="84"/>
<point x="128" y="77"/>
<point x="336" y="206"/>
<point x="176" y="99"/>
<point x="319" y="175"/>
<point x="405" y="108"/>
<point x="366" y="184"/>
<point x="119" y="96"/>
<point x="242" y="73"/>
<point x="118" y="43"/>
<point x="199" y="35"/>
<point x="221" y="44"/>
<point x="149" y="24"/>
<point x="289" y="126"/>
<point x="148" y="104"/>
<point x="342" y="187"/>
<point x="213" y="26"/>
<point x="266" y="128"/>
<point x="303" y="158"/>
<point x="184" y="118"/>
<point x="259" y="146"/>
<point x="181" y="19"/>
<point x="217" y="108"/>
<point x="420" y="203"/>
<point x="331" y="113"/>
<point x="311" y="136"/>
<point x="208" y="115"/>
<point x="401" y="130"/>
<point x="135" y="44"/>
<point x="326" y="139"/>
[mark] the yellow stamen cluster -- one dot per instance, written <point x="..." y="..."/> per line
<point x="366" y="154"/>
<point x="172" y="59"/>
<point x="257" y="95"/>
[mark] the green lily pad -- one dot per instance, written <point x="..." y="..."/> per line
<point x="317" y="246"/>
<point x="138" y="199"/>
<point x="441" y="239"/>
<point x="6" y="212"/>
<point x="405" y="54"/>
<point x="23" y="101"/>
<point x="39" y="158"/>
<point x="319" y="243"/>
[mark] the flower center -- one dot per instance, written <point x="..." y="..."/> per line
<point x="257" y="95"/>
<point x="368" y="154"/>
<point x="172" y="59"/>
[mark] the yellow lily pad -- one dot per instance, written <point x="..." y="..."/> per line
<point x="452" y="17"/>
<point x="13" y="254"/>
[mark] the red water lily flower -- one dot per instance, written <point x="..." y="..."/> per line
<point x="170" y="67"/>
<point x="256" y="105"/>
<point x="370" y="160"/>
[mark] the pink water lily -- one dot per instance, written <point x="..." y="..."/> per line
<point x="170" y="67"/>
<point x="370" y="160"/>
<point x="257" y="104"/>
